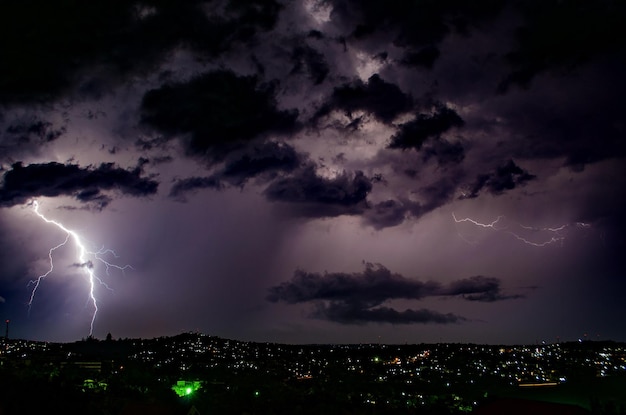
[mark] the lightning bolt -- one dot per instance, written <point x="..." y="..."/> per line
<point x="482" y="225"/>
<point x="554" y="234"/>
<point x="85" y="262"/>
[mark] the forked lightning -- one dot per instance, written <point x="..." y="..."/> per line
<point x="85" y="262"/>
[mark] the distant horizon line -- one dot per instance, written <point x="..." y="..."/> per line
<point x="92" y="338"/>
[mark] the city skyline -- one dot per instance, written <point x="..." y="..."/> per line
<point x="313" y="171"/>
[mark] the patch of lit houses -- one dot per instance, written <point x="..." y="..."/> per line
<point x="447" y="363"/>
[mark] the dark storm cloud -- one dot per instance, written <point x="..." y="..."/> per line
<point x="26" y="134"/>
<point x="220" y="110"/>
<point x="263" y="161"/>
<point x="415" y="23"/>
<point x="36" y="130"/>
<point x="294" y="182"/>
<point x="316" y="196"/>
<point x="424" y="57"/>
<point x="459" y="90"/>
<point x="373" y="286"/>
<point x="51" y="47"/>
<point x="506" y="177"/>
<point x="357" y="297"/>
<point x="87" y="264"/>
<point x="346" y="313"/>
<point x="309" y="61"/>
<point x="389" y="213"/>
<point x="266" y="158"/>
<point x="559" y="36"/>
<point x="385" y="214"/>
<point x="444" y="152"/>
<point x="382" y="99"/>
<point x="246" y="18"/>
<point x="479" y="288"/>
<point x="583" y="127"/>
<point x="191" y="185"/>
<point x="414" y="133"/>
<point x="22" y="183"/>
<point x="435" y="195"/>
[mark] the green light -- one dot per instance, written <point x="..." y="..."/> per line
<point x="186" y="388"/>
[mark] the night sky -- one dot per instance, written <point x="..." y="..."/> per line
<point x="335" y="171"/>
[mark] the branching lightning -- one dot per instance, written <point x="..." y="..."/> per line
<point x="546" y="235"/>
<point x="85" y="261"/>
<point x="482" y="225"/>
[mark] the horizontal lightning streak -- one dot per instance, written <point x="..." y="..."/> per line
<point x="483" y="225"/>
<point x="544" y="243"/>
<point x="555" y="233"/>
